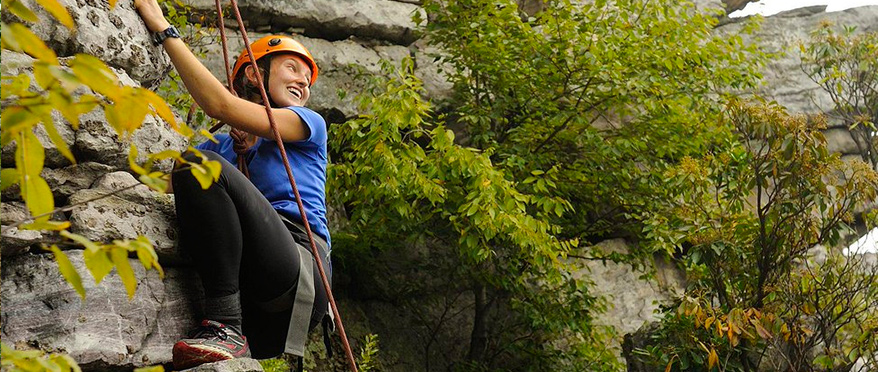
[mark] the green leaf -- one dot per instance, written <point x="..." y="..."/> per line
<point x="119" y="256"/>
<point x="21" y="10"/>
<point x="8" y="177"/>
<point x="68" y="271"/>
<point x="30" y="44"/>
<point x="59" y="12"/>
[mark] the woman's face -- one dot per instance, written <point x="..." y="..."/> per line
<point x="289" y="80"/>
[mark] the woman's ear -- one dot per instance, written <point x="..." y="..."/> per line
<point x="250" y="73"/>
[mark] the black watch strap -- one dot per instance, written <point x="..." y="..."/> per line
<point x="159" y="37"/>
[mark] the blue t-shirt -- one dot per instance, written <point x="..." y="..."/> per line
<point x="307" y="161"/>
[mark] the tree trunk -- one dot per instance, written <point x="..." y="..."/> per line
<point x="479" y="337"/>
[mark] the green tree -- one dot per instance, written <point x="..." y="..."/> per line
<point x="569" y="119"/>
<point x="746" y="217"/>
<point x="845" y="65"/>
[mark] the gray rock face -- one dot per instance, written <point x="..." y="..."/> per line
<point x="632" y="301"/>
<point x="327" y="19"/>
<point x="784" y="80"/>
<point x="337" y="61"/>
<point x="126" y="215"/>
<point x="96" y="140"/>
<point x="117" y="36"/>
<point x="16" y="241"/>
<point x="231" y="365"/>
<point x="40" y="309"/>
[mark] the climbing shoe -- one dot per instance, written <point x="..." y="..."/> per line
<point x="210" y="342"/>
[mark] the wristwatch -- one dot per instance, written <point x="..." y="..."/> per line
<point x="159" y="37"/>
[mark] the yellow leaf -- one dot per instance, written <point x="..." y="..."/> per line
<point x="157" y="368"/>
<point x="30" y="44"/>
<point x="66" y="362"/>
<point x="215" y="168"/>
<point x="132" y="160"/>
<point x="58" y="141"/>
<point x="160" y="107"/>
<point x="96" y="260"/>
<point x="96" y="75"/>
<point x="112" y="4"/>
<point x="68" y="271"/>
<point x="15" y="86"/>
<point x="85" y="242"/>
<point x="14" y="120"/>
<point x="126" y="113"/>
<point x="58" y="11"/>
<point x="670" y="363"/>
<point x="22" y="11"/>
<point x="712" y="359"/>
<point x="47" y="225"/>
<point x="209" y="136"/>
<point x="202" y="174"/>
<point x="119" y="256"/>
<point x="760" y="330"/>
<point x="8" y="177"/>
<point x="29" y="157"/>
<point x="149" y="259"/>
<point x="98" y="263"/>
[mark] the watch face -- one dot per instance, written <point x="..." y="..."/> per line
<point x="172" y="32"/>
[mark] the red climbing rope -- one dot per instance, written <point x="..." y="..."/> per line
<point x="238" y="137"/>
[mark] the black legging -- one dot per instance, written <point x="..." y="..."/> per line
<point x="239" y="243"/>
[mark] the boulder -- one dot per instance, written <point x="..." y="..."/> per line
<point x="106" y="330"/>
<point x="385" y="20"/>
<point x="15" y="241"/>
<point x="96" y="140"/>
<point x="784" y="80"/>
<point x="340" y="62"/>
<point x="117" y="36"/>
<point x="231" y="365"/>
<point x="126" y="215"/>
<point x="632" y="301"/>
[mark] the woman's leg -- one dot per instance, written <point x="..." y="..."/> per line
<point x="231" y="225"/>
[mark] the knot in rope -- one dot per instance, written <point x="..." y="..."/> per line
<point x="241" y="149"/>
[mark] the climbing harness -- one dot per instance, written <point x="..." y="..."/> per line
<point x="238" y="136"/>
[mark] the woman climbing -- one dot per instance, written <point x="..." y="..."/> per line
<point x="246" y="237"/>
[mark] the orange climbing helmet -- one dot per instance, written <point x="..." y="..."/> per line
<point x="276" y="44"/>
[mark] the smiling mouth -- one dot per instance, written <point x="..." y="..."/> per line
<point x="295" y="92"/>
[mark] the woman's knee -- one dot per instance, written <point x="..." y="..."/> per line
<point x="183" y="178"/>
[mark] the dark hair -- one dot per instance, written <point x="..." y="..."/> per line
<point x="247" y="90"/>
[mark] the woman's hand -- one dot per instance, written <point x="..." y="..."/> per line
<point x="152" y="15"/>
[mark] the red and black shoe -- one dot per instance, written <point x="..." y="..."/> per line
<point x="210" y="342"/>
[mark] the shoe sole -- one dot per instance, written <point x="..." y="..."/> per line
<point x="187" y="356"/>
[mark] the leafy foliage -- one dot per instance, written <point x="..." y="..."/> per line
<point x="73" y="87"/>
<point x="569" y="118"/>
<point x="748" y="215"/>
<point x="845" y="65"/>
<point x="35" y="360"/>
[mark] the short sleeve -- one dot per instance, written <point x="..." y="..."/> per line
<point x="316" y="125"/>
